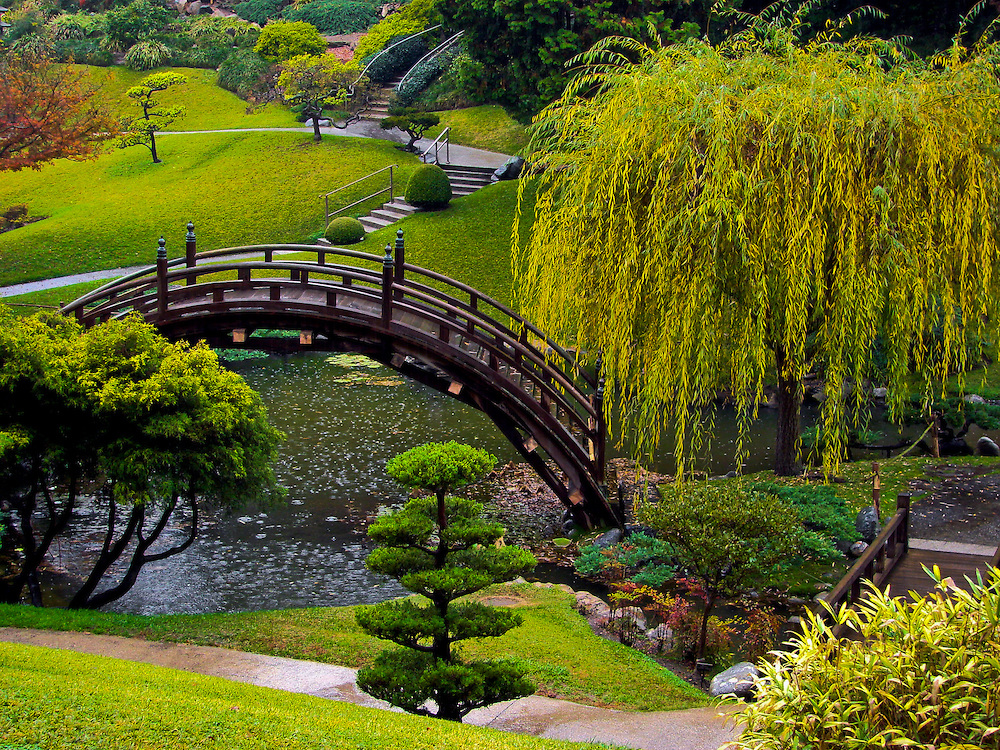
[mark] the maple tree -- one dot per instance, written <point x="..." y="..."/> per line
<point x="47" y="112"/>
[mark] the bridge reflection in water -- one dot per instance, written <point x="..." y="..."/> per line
<point x="422" y="324"/>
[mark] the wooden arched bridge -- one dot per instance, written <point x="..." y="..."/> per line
<point x="422" y="324"/>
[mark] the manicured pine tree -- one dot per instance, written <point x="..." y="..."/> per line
<point x="441" y="548"/>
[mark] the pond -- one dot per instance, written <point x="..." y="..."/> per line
<point x="345" y="417"/>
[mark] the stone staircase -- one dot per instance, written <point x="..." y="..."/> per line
<point x="464" y="181"/>
<point x="378" y="107"/>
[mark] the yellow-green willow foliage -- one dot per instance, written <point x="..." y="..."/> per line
<point x="705" y="211"/>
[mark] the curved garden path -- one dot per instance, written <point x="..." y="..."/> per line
<point x="690" y="729"/>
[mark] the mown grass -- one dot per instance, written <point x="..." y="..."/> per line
<point x="55" y="699"/>
<point x="208" y="107"/>
<point x="555" y="643"/>
<point x="488" y="127"/>
<point x="238" y="189"/>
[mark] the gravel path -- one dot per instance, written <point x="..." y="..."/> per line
<point x="692" y="729"/>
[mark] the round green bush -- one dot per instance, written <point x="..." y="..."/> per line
<point x="345" y="231"/>
<point x="429" y="187"/>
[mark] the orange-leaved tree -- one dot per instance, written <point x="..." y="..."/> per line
<point x="47" y="112"/>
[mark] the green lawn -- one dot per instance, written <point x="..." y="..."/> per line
<point x="563" y="656"/>
<point x="208" y="106"/>
<point x="56" y="699"/>
<point x="488" y="127"/>
<point x="242" y="188"/>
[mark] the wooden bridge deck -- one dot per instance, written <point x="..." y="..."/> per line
<point x="909" y="575"/>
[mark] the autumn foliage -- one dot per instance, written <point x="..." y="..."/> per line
<point x="47" y="112"/>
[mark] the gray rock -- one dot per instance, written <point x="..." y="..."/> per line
<point x="867" y="524"/>
<point x="635" y="614"/>
<point x="510" y="170"/>
<point x="880" y="393"/>
<point x="193" y="8"/>
<point x="858" y="549"/>
<point x="973" y="398"/>
<point x="986" y="447"/>
<point x="660" y="634"/>
<point x="608" y="538"/>
<point x="738" y="680"/>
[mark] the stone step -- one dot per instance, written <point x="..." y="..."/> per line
<point x="475" y="184"/>
<point x="463" y="170"/>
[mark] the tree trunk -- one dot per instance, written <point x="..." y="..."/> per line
<point x="789" y="402"/>
<point x="317" y="135"/>
<point x="152" y="147"/>
<point x="703" y="635"/>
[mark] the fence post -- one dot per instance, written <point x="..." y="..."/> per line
<point x="903" y="504"/>
<point x="400" y="262"/>
<point x="190" y="249"/>
<point x="387" y="274"/>
<point x="161" y="277"/>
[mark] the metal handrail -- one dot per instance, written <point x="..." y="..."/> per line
<point x="436" y="51"/>
<point x="436" y="145"/>
<point x="389" y="189"/>
<point x="391" y="46"/>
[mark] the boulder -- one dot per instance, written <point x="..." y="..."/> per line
<point x="858" y="549"/>
<point x="193" y="8"/>
<point x="608" y="538"/>
<point x="509" y="170"/>
<point x="635" y="614"/>
<point x="592" y="606"/>
<point x="986" y="447"/>
<point x="738" y="680"/>
<point x="867" y="524"/>
<point x="880" y="393"/>
<point x="973" y="398"/>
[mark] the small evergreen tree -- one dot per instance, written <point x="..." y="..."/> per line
<point x="411" y="122"/>
<point x="141" y="129"/>
<point x="440" y="547"/>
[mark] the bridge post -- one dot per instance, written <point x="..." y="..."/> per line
<point x="903" y="504"/>
<point x="387" y="277"/>
<point x="161" y="277"/>
<point x="190" y="248"/>
<point x="400" y="262"/>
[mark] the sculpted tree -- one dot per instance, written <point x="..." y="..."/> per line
<point x="141" y="129"/>
<point x="411" y="122"/>
<point x="155" y="430"/>
<point x="441" y="548"/>
<point x="316" y="83"/>
<point x="47" y="112"/>
<point x="716" y="219"/>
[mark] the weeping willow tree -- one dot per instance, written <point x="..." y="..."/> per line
<point x="717" y="219"/>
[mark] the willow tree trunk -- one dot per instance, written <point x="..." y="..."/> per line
<point x="789" y="402"/>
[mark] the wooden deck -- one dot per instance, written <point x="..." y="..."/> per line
<point x="909" y="575"/>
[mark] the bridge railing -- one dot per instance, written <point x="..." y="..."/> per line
<point x="506" y="339"/>
<point x="876" y="562"/>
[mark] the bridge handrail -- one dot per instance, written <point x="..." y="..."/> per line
<point x="391" y="46"/>
<point x="877" y="561"/>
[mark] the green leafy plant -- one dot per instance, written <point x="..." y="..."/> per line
<point x="441" y="548"/>
<point x="416" y="16"/>
<point x="147" y="55"/>
<point x="259" y="11"/>
<point x="244" y="73"/>
<point x="136" y="21"/>
<point x="141" y="129"/>
<point x="334" y="16"/>
<point x="820" y="510"/>
<point x="345" y="230"/>
<point x="428" y="187"/>
<point x="283" y="40"/>
<point x="641" y="558"/>
<point x="921" y="673"/>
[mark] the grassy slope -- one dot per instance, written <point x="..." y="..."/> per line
<point x="62" y="700"/>
<point x="237" y="188"/>
<point x="564" y="657"/>
<point x="208" y="106"/>
<point x="487" y="127"/>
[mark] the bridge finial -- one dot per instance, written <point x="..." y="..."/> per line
<point x="161" y="251"/>
<point x="399" y="239"/>
<point x="190" y="234"/>
<point x="387" y="259"/>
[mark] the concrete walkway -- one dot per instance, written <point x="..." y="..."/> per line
<point x="692" y="729"/>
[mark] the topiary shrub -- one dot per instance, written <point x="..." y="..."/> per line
<point x="429" y="187"/>
<point x="345" y="230"/>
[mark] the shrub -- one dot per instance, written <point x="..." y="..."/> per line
<point x="416" y="16"/>
<point x="922" y="673"/>
<point x="345" y="230"/>
<point x="429" y="187"/>
<point x="334" y="16"/>
<point x="640" y="558"/>
<point x="422" y="76"/>
<point x="242" y="72"/>
<point x="259" y="11"/>
<point x="128" y="24"/>
<point x="69" y="26"/>
<point x="396" y="60"/>
<point x="819" y="508"/>
<point x="147" y="55"/>
<point x="83" y="51"/>
<point x="210" y="58"/>
<point x="283" y="40"/>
